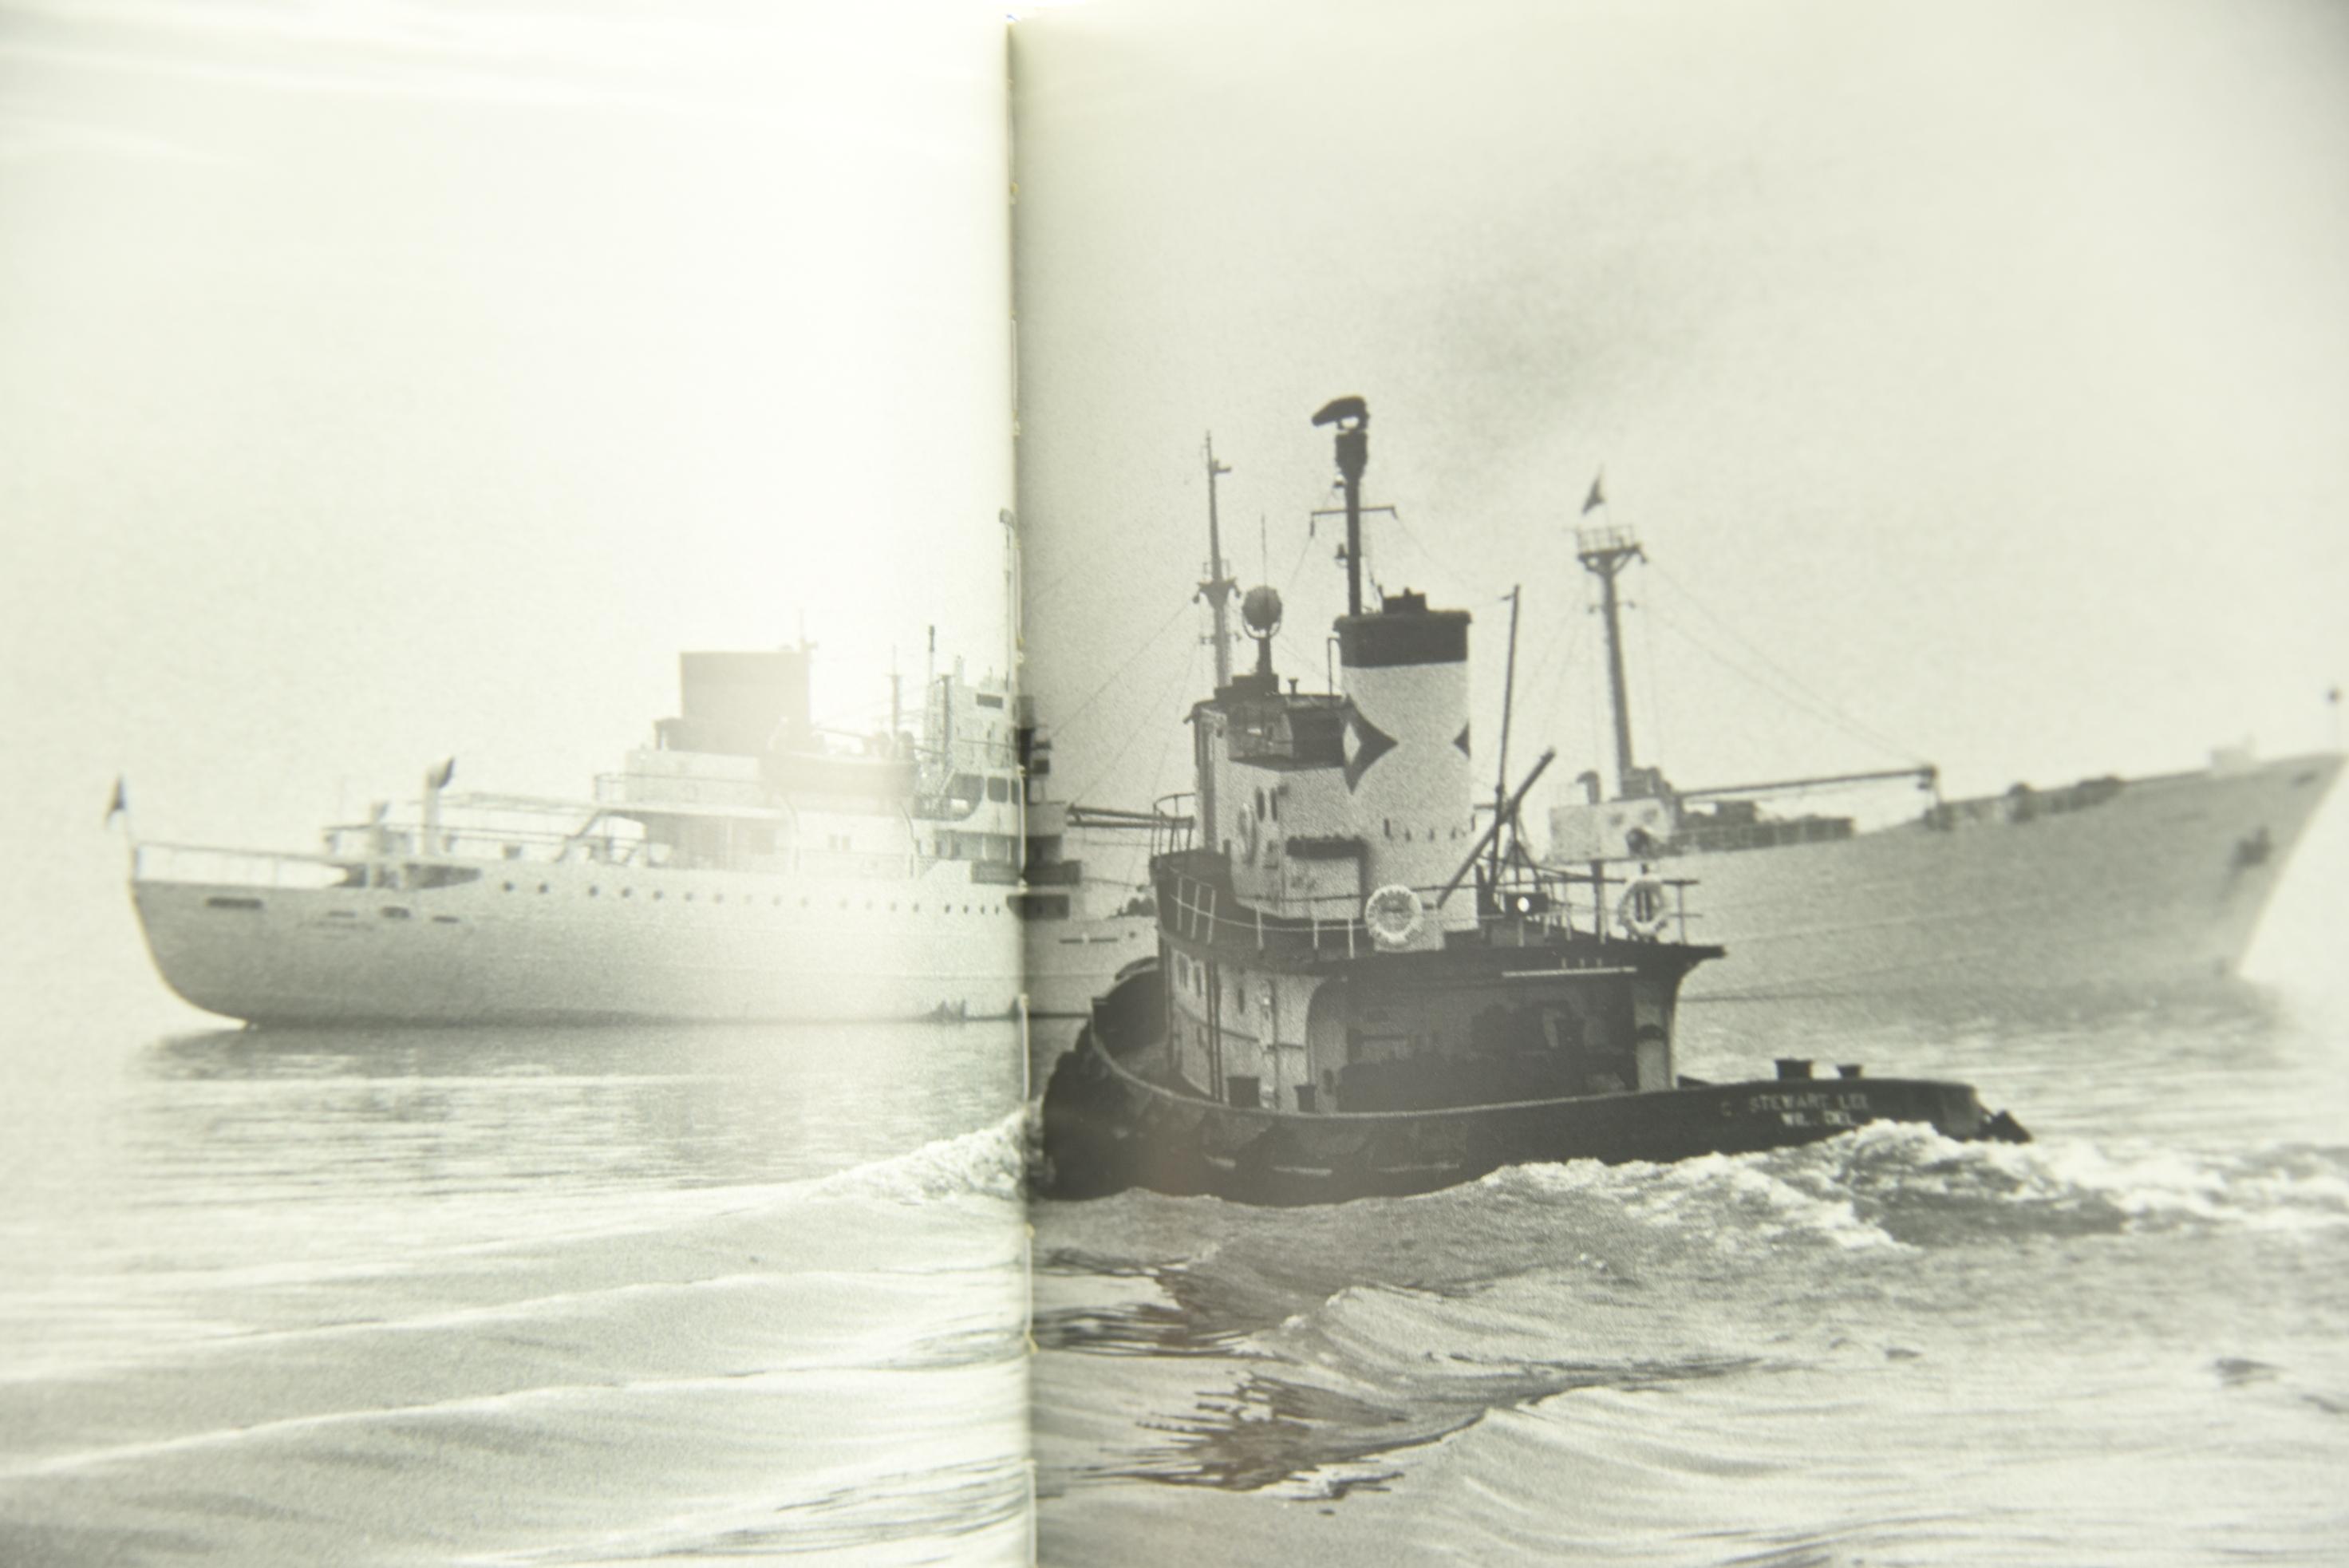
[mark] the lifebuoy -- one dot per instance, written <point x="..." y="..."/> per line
<point x="1645" y="908"/>
<point x="1392" y="914"/>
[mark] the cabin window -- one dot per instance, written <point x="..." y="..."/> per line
<point x="1304" y="1096"/>
<point x="1276" y="805"/>
<point x="1244" y="1093"/>
<point x="1259" y="805"/>
<point x="998" y="789"/>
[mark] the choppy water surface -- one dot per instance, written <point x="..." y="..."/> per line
<point x="634" y="1296"/>
<point x="2122" y="1343"/>
<point x="530" y="1297"/>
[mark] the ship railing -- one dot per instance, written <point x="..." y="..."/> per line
<point x="1203" y="909"/>
<point x="202" y="863"/>
<point x="384" y="841"/>
<point x="1173" y="827"/>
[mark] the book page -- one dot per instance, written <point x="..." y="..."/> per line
<point x="1890" y="460"/>
<point x="622" y="1162"/>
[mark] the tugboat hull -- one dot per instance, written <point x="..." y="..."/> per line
<point x="1107" y="1126"/>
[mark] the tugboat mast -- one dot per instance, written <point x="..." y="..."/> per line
<point x="1352" y="418"/>
<point x="1604" y="553"/>
<point x="1219" y="585"/>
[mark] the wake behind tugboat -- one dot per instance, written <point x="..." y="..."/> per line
<point x="1360" y="994"/>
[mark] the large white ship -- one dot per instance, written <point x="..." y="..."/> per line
<point x="746" y="864"/>
<point x="2114" y="885"/>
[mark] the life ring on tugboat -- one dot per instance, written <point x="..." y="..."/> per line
<point x="1645" y="909"/>
<point x="1392" y="915"/>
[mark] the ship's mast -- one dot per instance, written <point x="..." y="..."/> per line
<point x="1604" y="553"/>
<point x="1219" y="585"/>
<point x="1508" y="700"/>
<point x="1352" y="418"/>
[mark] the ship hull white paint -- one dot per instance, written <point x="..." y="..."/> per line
<point x="2160" y="885"/>
<point x="597" y="944"/>
<point x="601" y="945"/>
<point x="1071" y="963"/>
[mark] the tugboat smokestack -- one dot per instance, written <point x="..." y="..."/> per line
<point x="1352" y="418"/>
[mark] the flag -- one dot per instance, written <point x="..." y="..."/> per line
<point x="121" y="804"/>
<point x="1597" y="497"/>
<point x="438" y="777"/>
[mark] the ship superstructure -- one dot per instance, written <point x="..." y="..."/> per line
<point x="1358" y="991"/>
<point x="2126" y="885"/>
<point x="747" y="864"/>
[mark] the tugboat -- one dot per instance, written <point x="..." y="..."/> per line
<point x="1356" y="992"/>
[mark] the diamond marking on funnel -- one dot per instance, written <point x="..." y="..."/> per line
<point x="1365" y="744"/>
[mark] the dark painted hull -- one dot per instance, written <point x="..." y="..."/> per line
<point x="1107" y="1129"/>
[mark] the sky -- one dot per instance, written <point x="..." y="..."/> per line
<point x="391" y="380"/>
<point x="1976" y="376"/>
<point x="384" y="381"/>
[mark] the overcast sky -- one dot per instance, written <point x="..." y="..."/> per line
<point x="382" y="381"/>
<point x="1977" y="374"/>
<point x="386" y="380"/>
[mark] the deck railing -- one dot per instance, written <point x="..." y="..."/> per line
<point x="1205" y="908"/>
<point x="233" y="867"/>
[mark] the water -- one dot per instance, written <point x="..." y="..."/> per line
<point x="2122" y="1343"/>
<point x="2126" y="1342"/>
<point x="637" y="1294"/>
<point x="516" y="1296"/>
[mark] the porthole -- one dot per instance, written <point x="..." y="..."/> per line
<point x="509" y="887"/>
<point x="595" y="892"/>
<point x="545" y="888"/>
<point x="627" y="892"/>
<point x="656" y="894"/>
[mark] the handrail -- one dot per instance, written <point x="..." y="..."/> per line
<point x="1198" y="917"/>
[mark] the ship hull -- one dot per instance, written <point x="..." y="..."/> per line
<point x="595" y="947"/>
<point x="580" y="943"/>
<point x="1069" y="963"/>
<point x="1107" y="1128"/>
<point x="2159" y="887"/>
